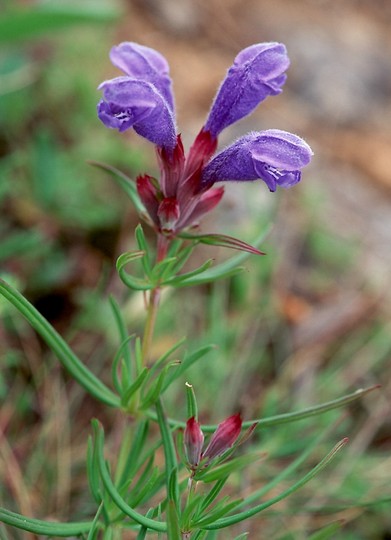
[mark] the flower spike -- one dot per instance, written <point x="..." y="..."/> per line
<point x="142" y="99"/>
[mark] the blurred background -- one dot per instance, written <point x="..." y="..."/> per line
<point x="308" y="323"/>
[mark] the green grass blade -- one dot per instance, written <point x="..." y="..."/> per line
<point x="60" y="348"/>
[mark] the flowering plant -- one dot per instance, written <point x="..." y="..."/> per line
<point x="134" y="493"/>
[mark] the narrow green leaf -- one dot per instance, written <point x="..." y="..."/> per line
<point x="192" y="409"/>
<point x="156" y="389"/>
<point x="126" y="183"/>
<point x="187" y="362"/>
<point x="115" y="496"/>
<point x="234" y="465"/>
<point x="173" y="530"/>
<point x="93" y="472"/>
<point x="129" y="280"/>
<point x="222" y="240"/>
<point x="133" y="461"/>
<point x="226" y="269"/>
<point x="143" y="246"/>
<point x="92" y="535"/>
<point x="287" y="417"/>
<point x="242" y="536"/>
<point x="161" y="360"/>
<point x="327" y="532"/>
<point x="236" y="518"/>
<point x="122" y="331"/>
<point x="167" y="441"/>
<point x="173" y="488"/>
<point x="121" y="384"/>
<point x="185" y="278"/>
<point x="143" y="530"/>
<point x="213" y="493"/>
<point x="220" y="510"/>
<point x="129" y="393"/>
<point x="47" y="528"/>
<point x="60" y="348"/>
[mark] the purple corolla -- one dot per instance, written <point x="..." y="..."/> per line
<point x="142" y="99"/>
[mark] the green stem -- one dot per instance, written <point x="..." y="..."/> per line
<point x="153" y="303"/>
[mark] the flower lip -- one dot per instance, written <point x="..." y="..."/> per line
<point x="135" y="103"/>
<point x="144" y="63"/>
<point x="274" y="156"/>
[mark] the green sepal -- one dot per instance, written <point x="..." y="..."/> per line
<point x="192" y="408"/>
<point x="129" y="392"/>
<point x="111" y="489"/>
<point x="60" y="348"/>
<point x="127" y="279"/>
<point x="217" y="473"/>
<point x="38" y="526"/>
<point x="126" y="183"/>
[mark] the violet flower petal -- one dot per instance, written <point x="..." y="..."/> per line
<point x="257" y="72"/>
<point x="274" y="156"/>
<point x="132" y="103"/>
<point x="146" y="64"/>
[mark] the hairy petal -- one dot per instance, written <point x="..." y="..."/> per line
<point x="146" y="64"/>
<point x="257" y="72"/>
<point x="133" y="103"/>
<point x="274" y="156"/>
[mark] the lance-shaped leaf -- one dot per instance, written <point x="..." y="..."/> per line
<point x="222" y="240"/>
<point x="236" y="518"/>
<point x="129" y="280"/>
<point x="126" y="183"/>
<point x="60" y="348"/>
<point x="112" y="491"/>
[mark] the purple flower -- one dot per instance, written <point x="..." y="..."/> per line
<point x="142" y="99"/>
<point x="275" y="156"/>
<point x="257" y="72"/>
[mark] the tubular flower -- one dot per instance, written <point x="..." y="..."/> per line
<point x="142" y="99"/>
<point x="222" y="439"/>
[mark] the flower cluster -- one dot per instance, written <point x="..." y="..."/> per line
<point x="222" y="439"/>
<point x="142" y="99"/>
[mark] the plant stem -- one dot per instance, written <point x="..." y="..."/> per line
<point x="153" y="303"/>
